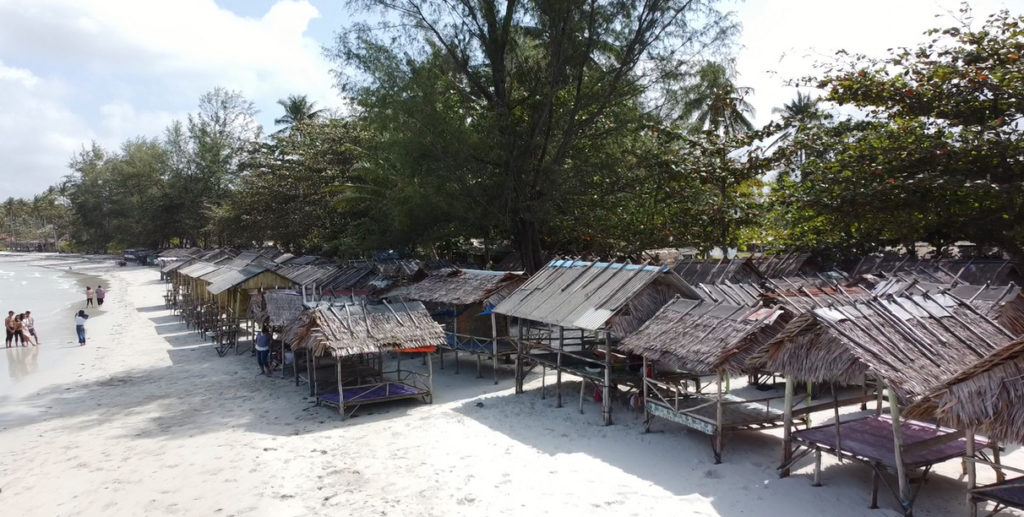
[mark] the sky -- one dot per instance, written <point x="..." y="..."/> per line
<point x="74" y="72"/>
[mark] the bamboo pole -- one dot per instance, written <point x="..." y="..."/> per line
<point x="972" y="474"/>
<point x="787" y="428"/>
<point x="897" y="436"/>
<point x="719" y="419"/>
<point x="341" y="393"/>
<point x="606" y="401"/>
<point x="494" y="345"/>
<point x="558" y="367"/>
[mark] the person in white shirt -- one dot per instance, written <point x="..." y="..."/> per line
<point x="80" y="326"/>
<point x="29" y="323"/>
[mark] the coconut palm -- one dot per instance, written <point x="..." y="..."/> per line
<point x="297" y="109"/>
<point x="714" y="103"/>
<point x="803" y="108"/>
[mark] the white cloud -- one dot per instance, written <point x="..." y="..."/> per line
<point x="782" y="41"/>
<point x="109" y="70"/>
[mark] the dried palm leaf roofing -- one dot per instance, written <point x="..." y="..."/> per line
<point x="465" y="286"/>
<point x="988" y="396"/>
<point x="702" y="337"/>
<point x="577" y="294"/>
<point x="282" y="306"/>
<point x="908" y="341"/>
<point x="351" y="329"/>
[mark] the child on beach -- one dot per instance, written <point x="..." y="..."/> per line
<point x="80" y="326"/>
<point x="88" y="296"/>
<point x="100" y="294"/>
<point x="29" y="323"/>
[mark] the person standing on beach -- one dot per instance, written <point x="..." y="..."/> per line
<point x="263" y="350"/>
<point x="19" y="331"/>
<point x="89" y="293"/>
<point x="9" y="326"/>
<point x="29" y="323"/>
<point x="100" y="294"/>
<point x="80" y="326"/>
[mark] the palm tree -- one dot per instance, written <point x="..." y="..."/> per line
<point x="712" y="102"/>
<point x="297" y="109"/>
<point x="803" y="108"/>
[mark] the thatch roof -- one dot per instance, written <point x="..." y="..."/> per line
<point x="586" y="295"/>
<point x="941" y="270"/>
<point x="465" y="286"/>
<point x="704" y="337"/>
<point x="908" y="341"/>
<point x="352" y="329"/>
<point x="749" y="270"/>
<point x="988" y="396"/>
<point x="1005" y="303"/>
<point x="278" y="307"/>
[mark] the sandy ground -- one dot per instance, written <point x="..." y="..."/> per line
<point x="147" y="420"/>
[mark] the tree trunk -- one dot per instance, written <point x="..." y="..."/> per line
<point x="528" y="244"/>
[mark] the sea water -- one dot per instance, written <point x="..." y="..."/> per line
<point x="53" y="294"/>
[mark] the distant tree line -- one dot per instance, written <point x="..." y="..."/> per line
<point x="605" y="127"/>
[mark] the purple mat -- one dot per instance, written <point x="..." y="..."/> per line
<point x="1009" y="492"/>
<point x="871" y="438"/>
<point x="374" y="393"/>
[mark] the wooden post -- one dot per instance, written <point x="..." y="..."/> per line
<point x="875" y="476"/>
<point x="643" y="377"/>
<point x="341" y="393"/>
<point x="558" y="367"/>
<point x="494" y="345"/>
<point x="312" y="380"/>
<point x="835" y="416"/>
<point x="972" y="473"/>
<point x="719" y="419"/>
<point x="606" y="400"/>
<point x="787" y="428"/>
<point x="897" y="436"/>
<point x="817" y="467"/>
<point x="1000" y="475"/>
<point x="519" y="356"/>
<point x="455" y="335"/>
<point x="878" y="397"/>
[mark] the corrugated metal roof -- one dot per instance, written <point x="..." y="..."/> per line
<point x="585" y="294"/>
<point x="198" y="269"/>
<point x="233" y="277"/>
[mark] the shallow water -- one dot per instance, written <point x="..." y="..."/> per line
<point x="53" y="294"/>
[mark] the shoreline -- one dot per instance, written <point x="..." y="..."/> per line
<point x="149" y="421"/>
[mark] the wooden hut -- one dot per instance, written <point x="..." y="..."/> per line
<point x="902" y="344"/>
<point x="1005" y="303"/>
<point x="276" y="309"/>
<point x="355" y="337"/>
<point x="462" y="299"/>
<point x="690" y="339"/>
<point x="571" y="315"/>
<point x="988" y="398"/>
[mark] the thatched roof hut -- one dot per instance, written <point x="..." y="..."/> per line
<point x="703" y="337"/>
<point x="1005" y="303"/>
<point x="277" y="307"/>
<point x="350" y="329"/>
<point x="987" y="396"/>
<point x="465" y="286"/>
<point x="589" y="295"/>
<point x="907" y="341"/>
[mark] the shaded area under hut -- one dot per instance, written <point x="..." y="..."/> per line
<point x="276" y="309"/>
<point x="462" y="300"/>
<point x="901" y="344"/>
<point x="571" y="315"/>
<point x="354" y="339"/>
<point x="987" y="397"/>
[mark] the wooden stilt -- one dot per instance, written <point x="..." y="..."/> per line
<point x="455" y="335"/>
<point x="494" y="346"/>
<point x="972" y="473"/>
<point x="787" y="428"/>
<point x="719" y="419"/>
<point x="606" y="400"/>
<point x="341" y="393"/>
<point x="558" y="367"/>
<point x="897" y="436"/>
<point x="519" y="357"/>
<point x="817" y="468"/>
<point x="643" y="377"/>
<point x="875" y="478"/>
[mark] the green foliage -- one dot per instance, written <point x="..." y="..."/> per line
<point x="936" y="156"/>
<point x="500" y="117"/>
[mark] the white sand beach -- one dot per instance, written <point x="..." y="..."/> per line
<point x="148" y="420"/>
